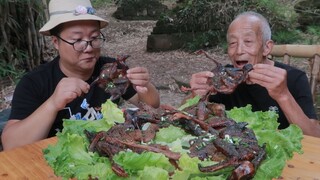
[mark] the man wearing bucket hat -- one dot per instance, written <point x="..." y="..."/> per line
<point x="60" y="89"/>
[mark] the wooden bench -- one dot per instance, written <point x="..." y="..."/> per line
<point x="309" y="52"/>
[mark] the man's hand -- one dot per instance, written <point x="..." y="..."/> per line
<point x="274" y="79"/>
<point x="199" y="82"/>
<point x="67" y="90"/>
<point x="139" y="77"/>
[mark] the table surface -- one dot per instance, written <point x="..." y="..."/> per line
<point x="27" y="162"/>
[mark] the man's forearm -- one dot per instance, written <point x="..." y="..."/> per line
<point x="151" y="97"/>
<point x="295" y="115"/>
<point x="34" y="128"/>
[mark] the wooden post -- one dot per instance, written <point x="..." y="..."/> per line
<point x="314" y="75"/>
<point x="286" y="59"/>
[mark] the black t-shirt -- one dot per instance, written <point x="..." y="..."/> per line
<point x="38" y="85"/>
<point x="260" y="100"/>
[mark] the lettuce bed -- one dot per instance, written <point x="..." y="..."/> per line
<point x="70" y="158"/>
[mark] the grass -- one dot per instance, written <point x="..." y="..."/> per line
<point x="101" y="3"/>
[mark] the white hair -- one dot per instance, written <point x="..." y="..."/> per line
<point x="264" y="24"/>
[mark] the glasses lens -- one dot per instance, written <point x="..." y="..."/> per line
<point x="80" y="45"/>
<point x="97" y="43"/>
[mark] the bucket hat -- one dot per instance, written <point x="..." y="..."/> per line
<point x="62" y="11"/>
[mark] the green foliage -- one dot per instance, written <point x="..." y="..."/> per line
<point x="286" y="36"/>
<point x="212" y="17"/>
<point x="101" y="3"/>
<point x="204" y="15"/>
<point x="280" y="14"/>
<point x="20" y="45"/>
<point x="11" y="71"/>
<point x="313" y="30"/>
<point x="204" y="40"/>
<point x="309" y="12"/>
<point x="310" y="36"/>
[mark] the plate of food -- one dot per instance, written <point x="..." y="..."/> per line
<point x="198" y="140"/>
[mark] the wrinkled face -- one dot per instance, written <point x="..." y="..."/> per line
<point x="245" y="41"/>
<point x="73" y="61"/>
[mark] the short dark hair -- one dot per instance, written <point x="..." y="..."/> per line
<point x="56" y="30"/>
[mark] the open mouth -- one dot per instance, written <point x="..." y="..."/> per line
<point x="241" y="63"/>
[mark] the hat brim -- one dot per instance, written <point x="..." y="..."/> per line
<point x="63" y="18"/>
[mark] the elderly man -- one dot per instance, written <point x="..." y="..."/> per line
<point x="60" y="89"/>
<point x="271" y="85"/>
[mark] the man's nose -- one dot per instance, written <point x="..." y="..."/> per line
<point x="240" y="47"/>
<point x="89" y="47"/>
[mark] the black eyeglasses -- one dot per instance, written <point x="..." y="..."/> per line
<point x="81" y="45"/>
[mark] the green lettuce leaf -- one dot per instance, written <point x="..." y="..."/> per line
<point x="111" y="113"/>
<point x="68" y="154"/>
<point x="190" y="102"/>
<point x="280" y="144"/>
<point x="257" y="120"/>
<point x="149" y="173"/>
<point x="169" y="134"/>
<point x="132" y="161"/>
<point x="70" y="157"/>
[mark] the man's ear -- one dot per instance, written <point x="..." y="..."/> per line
<point x="268" y="48"/>
<point x="55" y="42"/>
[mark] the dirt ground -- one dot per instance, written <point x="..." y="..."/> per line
<point x="168" y="70"/>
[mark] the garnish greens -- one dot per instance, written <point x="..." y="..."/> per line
<point x="70" y="158"/>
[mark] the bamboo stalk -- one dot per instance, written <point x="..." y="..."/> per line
<point x="34" y="39"/>
<point x="3" y="21"/>
<point x="46" y="10"/>
<point x="29" y="40"/>
<point x="314" y="76"/>
<point x="304" y="51"/>
<point x="29" y="37"/>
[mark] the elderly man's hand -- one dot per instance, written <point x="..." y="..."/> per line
<point x="274" y="79"/>
<point x="139" y="77"/>
<point x="199" y="82"/>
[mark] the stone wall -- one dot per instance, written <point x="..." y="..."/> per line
<point x="167" y="42"/>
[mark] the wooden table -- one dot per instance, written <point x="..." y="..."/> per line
<point x="27" y="162"/>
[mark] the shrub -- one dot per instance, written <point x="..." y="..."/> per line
<point x="209" y="16"/>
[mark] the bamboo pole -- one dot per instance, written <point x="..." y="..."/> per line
<point x="4" y="11"/>
<point x="34" y="37"/>
<point x="286" y="59"/>
<point x="46" y="10"/>
<point x="301" y="51"/>
<point x="314" y="75"/>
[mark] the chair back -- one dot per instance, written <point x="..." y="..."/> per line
<point x="306" y="52"/>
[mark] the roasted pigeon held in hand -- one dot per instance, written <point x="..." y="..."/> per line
<point x="225" y="79"/>
<point x="112" y="78"/>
